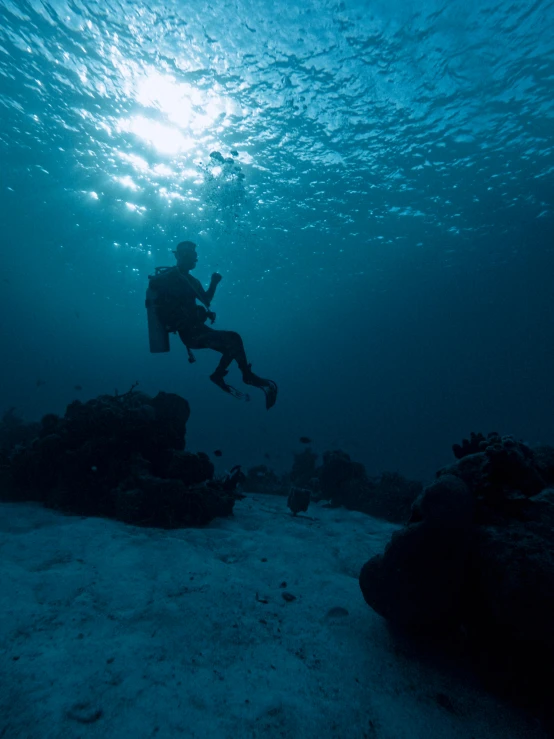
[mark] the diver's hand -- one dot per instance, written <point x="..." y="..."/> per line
<point x="216" y="278"/>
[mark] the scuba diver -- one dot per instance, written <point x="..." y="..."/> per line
<point x="172" y="308"/>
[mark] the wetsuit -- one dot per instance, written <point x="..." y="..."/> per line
<point x="176" y="305"/>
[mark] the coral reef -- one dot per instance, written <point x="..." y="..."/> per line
<point x="469" y="446"/>
<point x="346" y="483"/>
<point x="120" y="456"/>
<point x="15" y="432"/>
<point x="304" y="468"/>
<point x="341" y="481"/>
<point x="478" y="555"/>
<point x="262" y="479"/>
<point x="502" y="474"/>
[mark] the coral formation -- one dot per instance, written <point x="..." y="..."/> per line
<point x="14" y="431"/>
<point x="298" y="500"/>
<point x="346" y="483"/>
<point x="120" y="456"/>
<point x="469" y="446"/>
<point x="478" y="554"/>
<point x="341" y="481"/>
<point x="262" y="479"/>
<point x="303" y="469"/>
<point x="502" y="474"/>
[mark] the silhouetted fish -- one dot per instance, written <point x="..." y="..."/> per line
<point x="41" y="382"/>
<point x="218" y="453"/>
<point x="305" y="440"/>
<point x="77" y="387"/>
<point x="267" y="455"/>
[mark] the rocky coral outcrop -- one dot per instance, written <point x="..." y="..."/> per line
<point x="120" y="456"/>
<point x="419" y="578"/>
<point x="478" y="553"/>
<point x="262" y="479"/>
<point x="346" y="483"/>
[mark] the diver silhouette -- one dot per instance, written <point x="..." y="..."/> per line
<point x="172" y="308"/>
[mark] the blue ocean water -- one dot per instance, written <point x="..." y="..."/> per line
<point x="383" y="216"/>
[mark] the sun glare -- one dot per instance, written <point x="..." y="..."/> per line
<point x="190" y="113"/>
<point x="173" y="117"/>
<point x="186" y="106"/>
<point x="166" y="139"/>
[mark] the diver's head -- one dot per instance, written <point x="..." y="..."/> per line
<point x="185" y="254"/>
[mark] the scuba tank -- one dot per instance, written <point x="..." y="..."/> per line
<point x="158" y="335"/>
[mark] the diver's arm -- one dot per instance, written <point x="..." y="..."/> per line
<point x="204" y="296"/>
<point x="214" y="282"/>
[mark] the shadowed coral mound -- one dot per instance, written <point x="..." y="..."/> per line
<point x="120" y="456"/>
<point x="342" y="482"/>
<point x="346" y="483"/>
<point x="478" y="555"/>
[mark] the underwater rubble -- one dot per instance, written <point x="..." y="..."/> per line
<point x="119" y="456"/>
<point x="476" y="560"/>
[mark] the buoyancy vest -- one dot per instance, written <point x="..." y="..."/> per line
<point x="175" y="299"/>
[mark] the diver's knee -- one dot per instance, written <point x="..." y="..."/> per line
<point x="235" y="339"/>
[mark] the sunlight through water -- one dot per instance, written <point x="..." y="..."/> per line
<point x="395" y="125"/>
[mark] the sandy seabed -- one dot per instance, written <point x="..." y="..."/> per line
<point x="254" y="626"/>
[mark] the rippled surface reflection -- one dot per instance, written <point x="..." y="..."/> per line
<point x="370" y="124"/>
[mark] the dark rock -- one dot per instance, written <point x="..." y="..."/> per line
<point x="541" y="509"/>
<point x="346" y="483"/>
<point x="84" y="712"/>
<point x="262" y="479"/>
<point x="172" y="413"/>
<point x="299" y="499"/>
<point x="15" y="432"/>
<point x="471" y="470"/>
<point x="34" y="469"/>
<point x="447" y="502"/>
<point x="338" y="469"/>
<point x="510" y="466"/>
<point x="512" y="580"/>
<point x="120" y="456"/>
<point x="479" y="552"/>
<point x="390" y="497"/>
<point x="418" y="581"/>
<point x="233" y="479"/>
<point x="497" y="475"/>
<point x="544" y="462"/>
<point x="152" y="501"/>
<point x="469" y="446"/>
<point x="337" y="612"/>
<point x="50" y="424"/>
<point x="190" y="468"/>
<point x="303" y="468"/>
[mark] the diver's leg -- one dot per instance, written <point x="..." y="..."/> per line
<point x="268" y="387"/>
<point x="236" y="349"/>
<point x="230" y="345"/>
